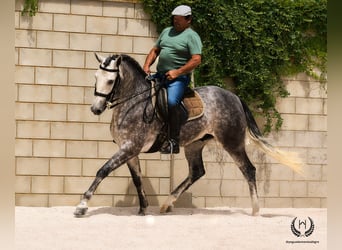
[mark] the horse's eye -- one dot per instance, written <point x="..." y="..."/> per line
<point x="110" y="82"/>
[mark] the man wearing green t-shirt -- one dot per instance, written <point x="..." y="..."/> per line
<point x="179" y="49"/>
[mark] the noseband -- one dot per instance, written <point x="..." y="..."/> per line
<point x="110" y="96"/>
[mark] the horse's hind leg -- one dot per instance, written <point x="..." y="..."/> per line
<point x="134" y="168"/>
<point x="193" y="154"/>
<point x="248" y="170"/>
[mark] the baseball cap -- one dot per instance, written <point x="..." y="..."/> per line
<point x="181" y="10"/>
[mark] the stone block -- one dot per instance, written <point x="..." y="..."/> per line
<point x="32" y="166"/>
<point x="33" y="129"/>
<point x="25" y="38"/>
<point x="52" y="76"/>
<point x="238" y="188"/>
<point x="80" y="113"/>
<point x="77" y="185"/>
<point x="318" y="90"/>
<point x="157" y="169"/>
<point x="207" y="188"/>
<point x="63" y="200"/>
<point x="117" y="44"/>
<point x="62" y="130"/>
<point x="49" y="148"/>
<point x="32" y="200"/>
<point x="86" y="42"/>
<point x="22" y="184"/>
<point x="81" y="77"/>
<point x="268" y="188"/>
<point x="286" y="105"/>
<point x="282" y="138"/>
<point x="34" y="93"/>
<point x="318" y="123"/>
<point x="309" y="106"/>
<point x="91" y="166"/>
<point x="311" y="139"/>
<point x="113" y="185"/>
<point x="41" y="21"/>
<point x="50" y="112"/>
<point x="23" y="147"/>
<point x="317" y="156"/>
<point x="68" y="58"/>
<point x="107" y="149"/>
<point x="47" y="184"/>
<point x="102" y="25"/>
<point x="65" y="167"/>
<point x="101" y="200"/>
<point x="81" y="149"/>
<point x="306" y="202"/>
<point x="52" y="40"/>
<point x="63" y="94"/>
<point x="24" y="74"/>
<point x="133" y="27"/>
<point x="89" y="7"/>
<point x="96" y="131"/>
<point x="142" y="45"/>
<point x="70" y="23"/>
<point x="295" y="122"/>
<point x="117" y="9"/>
<point x="61" y="6"/>
<point x="151" y="186"/>
<point x="317" y="189"/>
<point x="293" y="189"/>
<point x="23" y="111"/>
<point x="278" y="202"/>
<point x="164" y="186"/>
<point x="311" y="173"/>
<point x="35" y="57"/>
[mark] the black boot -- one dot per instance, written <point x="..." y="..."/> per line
<point x="176" y="119"/>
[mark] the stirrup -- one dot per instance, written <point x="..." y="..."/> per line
<point x="171" y="148"/>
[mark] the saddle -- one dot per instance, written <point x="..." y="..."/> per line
<point x="192" y="106"/>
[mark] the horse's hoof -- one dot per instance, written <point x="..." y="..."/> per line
<point x="165" y="209"/>
<point x="141" y="212"/>
<point x="80" y="211"/>
<point x="255" y="213"/>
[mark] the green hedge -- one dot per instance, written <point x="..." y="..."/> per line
<point x="254" y="44"/>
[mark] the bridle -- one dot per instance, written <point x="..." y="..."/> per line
<point x="111" y="102"/>
<point x="110" y="96"/>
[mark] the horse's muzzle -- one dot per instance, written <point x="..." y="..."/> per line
<point x="96" y="111"/>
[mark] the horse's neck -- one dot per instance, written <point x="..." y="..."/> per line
<point x="133" y="88"/>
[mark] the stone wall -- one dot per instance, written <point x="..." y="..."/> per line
<point x="60" y="144"/>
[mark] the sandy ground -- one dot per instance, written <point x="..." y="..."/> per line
<point x="184" y="228"/>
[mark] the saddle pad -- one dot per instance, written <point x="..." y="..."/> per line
<point x="194" y="105"/>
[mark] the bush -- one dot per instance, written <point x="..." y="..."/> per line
<point x="254" y="44"/>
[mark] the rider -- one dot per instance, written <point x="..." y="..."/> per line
<point x="179" y="49"/>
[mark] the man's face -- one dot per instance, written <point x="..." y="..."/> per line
<point x="180" y="23"/>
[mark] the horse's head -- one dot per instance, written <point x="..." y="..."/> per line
<point x="107" y="77"/>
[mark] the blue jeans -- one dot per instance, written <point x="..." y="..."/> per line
<point x="175" y="88"/>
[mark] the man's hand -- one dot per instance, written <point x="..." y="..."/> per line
<point x="172" y="74"/>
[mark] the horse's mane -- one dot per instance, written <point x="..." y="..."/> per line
<point x="134" y="65"/>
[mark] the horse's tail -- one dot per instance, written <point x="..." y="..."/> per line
<point x="289" y="159"/>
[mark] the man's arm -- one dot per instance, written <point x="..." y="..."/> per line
<point x="187" y="68"/>
<point x="151" y="57"/>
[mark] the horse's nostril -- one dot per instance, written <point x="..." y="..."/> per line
<point x="95" y="111"/>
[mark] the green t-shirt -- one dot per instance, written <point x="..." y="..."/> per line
<point x="177" y="48"/>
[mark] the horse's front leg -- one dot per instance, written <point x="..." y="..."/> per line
<point x="134" y="168"/>
<point x="121" y="157"/>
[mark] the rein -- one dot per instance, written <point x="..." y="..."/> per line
<point x="111" y="102"/>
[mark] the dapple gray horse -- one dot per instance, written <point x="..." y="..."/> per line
<point x="121" y="84"/>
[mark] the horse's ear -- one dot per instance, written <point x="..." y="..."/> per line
<point x="99" y="58"/>
<point x="118" y="61"/>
